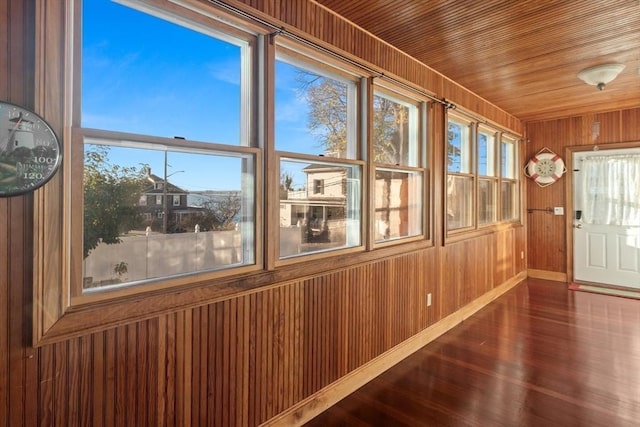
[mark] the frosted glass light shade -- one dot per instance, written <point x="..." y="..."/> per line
<point x="600" y="75"/>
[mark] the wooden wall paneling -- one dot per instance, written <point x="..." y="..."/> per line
<point x="118" y="381"/>
<point x="318" y="336"/>
<point x="430" y="282"/>
<point x="85" y="397"/>
<point x="475" y="273"/>
<point x="610" y="127"/>
<point x="237" y="362"/>
<point x="446" y="295"/>
<point x="46" y="394"/>
<point x="72" y="365"/>
<point x="196" y="366"/>
<point x="520" y="249"/>
<point x="378" y="329"/>
<point x="547" y="240"/>
<point x="503" y="256"/>
<point x="344" y="333"/>
<point x="506" y="257"/>
<point x="485" y="254"/>
<point x="215" y="331"/>
<point x="15" y="297"/>
<point x="5" y="347"/>
<point x="97" y="354"/>
<point x="162" y="373"/>
<point x="579" y="131"/>
<point x="630" y="125"/>
<point x="18" y="362"/>
<point x="359" y="314"/>
<point x="330" y="28"/>
<point x="548" y="254"/>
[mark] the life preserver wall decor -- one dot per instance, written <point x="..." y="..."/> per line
<point x="545" y="168"/>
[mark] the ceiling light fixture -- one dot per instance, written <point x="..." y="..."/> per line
<point x="600" y="75"/>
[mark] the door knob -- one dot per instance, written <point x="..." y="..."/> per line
<point x="577" y="226"/>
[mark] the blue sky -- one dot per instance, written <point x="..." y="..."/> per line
<point x="145" y="75"/>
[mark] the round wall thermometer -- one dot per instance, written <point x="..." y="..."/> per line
<point x="30" y="151"/>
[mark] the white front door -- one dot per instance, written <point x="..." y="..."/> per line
<point x="606" y="225"/>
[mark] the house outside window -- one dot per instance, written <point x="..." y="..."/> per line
<point x="318" y="154"/>
<point x="214" y="144"/>
<point x="318" y="186"/>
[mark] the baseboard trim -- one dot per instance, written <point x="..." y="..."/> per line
<point x="547" y="275"/>
<point x="323" y="399"/>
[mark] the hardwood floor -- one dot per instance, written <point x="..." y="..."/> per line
<point x="540" y="355"/>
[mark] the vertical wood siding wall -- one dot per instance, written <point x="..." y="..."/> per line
<point x="547" y="243"/>
<point x="246" y="359"/>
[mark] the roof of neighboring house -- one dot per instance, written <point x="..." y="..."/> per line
<point x="155" y="179"/>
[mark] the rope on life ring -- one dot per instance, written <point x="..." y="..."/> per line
<point x="545" y="168"/>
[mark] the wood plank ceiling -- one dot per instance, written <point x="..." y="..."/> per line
<point x="523" y="56"/>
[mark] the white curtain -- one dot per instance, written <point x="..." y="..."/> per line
<point x="611" y="190"/>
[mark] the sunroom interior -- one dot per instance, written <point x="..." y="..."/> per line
<point x="260" y="205"/>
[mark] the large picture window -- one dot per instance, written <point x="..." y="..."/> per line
<point x="316" y="113"/>
<point x="169" y="172"/>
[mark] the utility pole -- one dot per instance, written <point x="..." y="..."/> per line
<point x="165" y="207"/>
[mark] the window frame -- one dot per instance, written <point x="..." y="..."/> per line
<point x="492" y="179"/>
<point x="419" y="165"/>
<point x="468" y="162"/>
<point x="477" y="127"/>
<point x="249" y="41"/>
<point x="296" y="55"/>
<point x="514" y="182"/>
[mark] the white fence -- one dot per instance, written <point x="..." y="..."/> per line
<point x="158" y="255"/>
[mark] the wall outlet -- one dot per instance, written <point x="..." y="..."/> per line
<point x="558" y="210"/>
<point x="521" y="254"/>
<point x="429" y="300"/>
